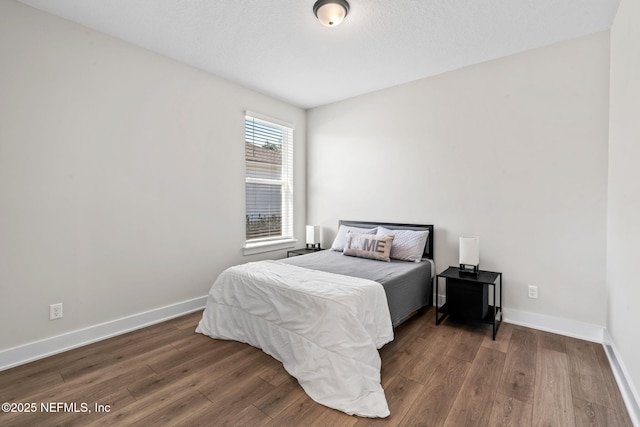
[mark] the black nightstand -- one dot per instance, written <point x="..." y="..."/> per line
<point x="302" y="251"/>
<point x="467" y="296"/>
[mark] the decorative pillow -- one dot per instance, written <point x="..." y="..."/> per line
<point x="368" y="246"/>
<point x="408" y="245"/>
<point x="341" y="238"/>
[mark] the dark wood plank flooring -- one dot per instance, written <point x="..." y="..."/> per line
<point x="448" y="375"/>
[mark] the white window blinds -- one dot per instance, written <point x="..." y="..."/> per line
<point x="269" y="179"/>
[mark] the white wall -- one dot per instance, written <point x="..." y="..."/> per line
<point x="623" y="229"/>
<point x="513" y="150"/>
<point x="121" y="176"/>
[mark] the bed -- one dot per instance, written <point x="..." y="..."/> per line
<point x="325" y="315"/>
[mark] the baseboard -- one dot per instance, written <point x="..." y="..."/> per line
<point x="630" y="395"/>
<point x="47" y="347"/>
<point x="557" y="325"/>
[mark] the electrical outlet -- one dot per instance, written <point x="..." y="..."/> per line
<point x="55" y="311"/>
<point x="533" y="291"/>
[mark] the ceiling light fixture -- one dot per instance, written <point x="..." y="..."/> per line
<point x="330" y="13"/>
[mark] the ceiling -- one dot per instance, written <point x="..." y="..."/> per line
<point x="277" y="47"/>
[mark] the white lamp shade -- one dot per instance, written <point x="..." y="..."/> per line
<point x="313" y="234"/>
<point x="331" y="14"/>
<point x="470" y="250"/>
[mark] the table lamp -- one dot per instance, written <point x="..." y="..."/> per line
<point x="313" y="237"/>
<point x="469" y="254"/>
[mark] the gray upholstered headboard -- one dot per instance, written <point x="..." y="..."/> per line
<point x="428" y="248"/>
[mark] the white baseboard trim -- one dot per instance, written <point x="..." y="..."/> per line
<point x="556" y="325"/>
<point x="49" y="346"/>
<point x="630" y="395"/>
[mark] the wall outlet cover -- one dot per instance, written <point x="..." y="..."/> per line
<point x="55" y="311"/>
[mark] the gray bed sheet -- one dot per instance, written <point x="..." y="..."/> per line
<point x="408" y="285"/>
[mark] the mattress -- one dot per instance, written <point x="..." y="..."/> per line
<point x="408" y="285"/>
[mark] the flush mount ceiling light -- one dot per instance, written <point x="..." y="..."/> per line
<point x="330" y="13"/>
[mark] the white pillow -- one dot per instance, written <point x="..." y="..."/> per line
<point x="341" y="239"/>
<point x="408" y="245"/>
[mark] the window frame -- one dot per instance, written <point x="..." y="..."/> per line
<point x="286" y="238"/>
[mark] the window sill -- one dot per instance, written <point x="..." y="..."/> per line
<point x="274" y="245"/>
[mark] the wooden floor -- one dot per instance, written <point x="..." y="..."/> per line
<point x="447" y="375"/>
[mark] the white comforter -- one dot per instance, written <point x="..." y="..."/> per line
<point x="325" y="328"/>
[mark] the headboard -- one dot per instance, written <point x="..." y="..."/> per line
<point x="428" y="248"/>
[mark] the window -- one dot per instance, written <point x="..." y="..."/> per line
<point x="269" y="179"/>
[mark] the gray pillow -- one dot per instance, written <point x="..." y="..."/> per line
<point x="371" y="246"/>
